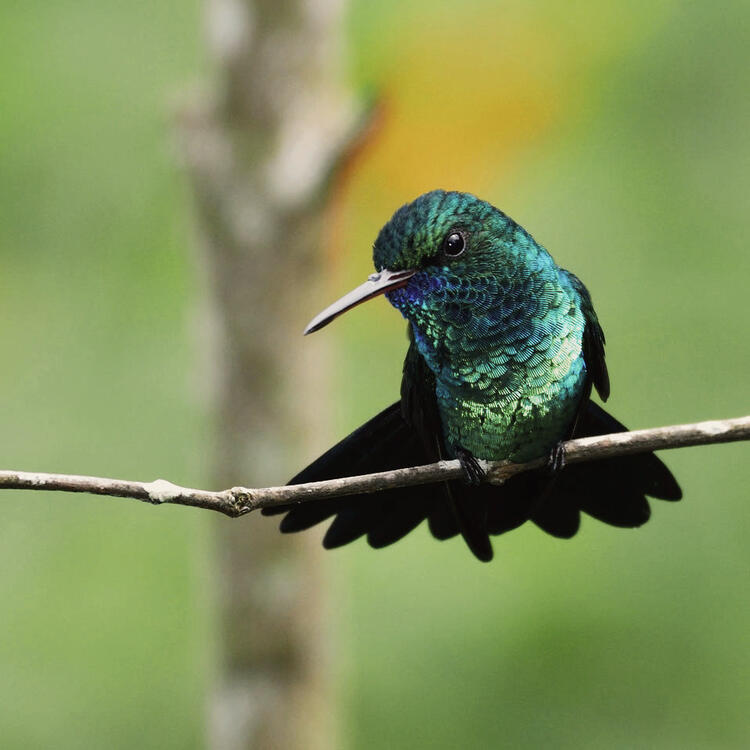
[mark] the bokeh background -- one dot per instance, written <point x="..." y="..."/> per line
<point x="618" y="135"/>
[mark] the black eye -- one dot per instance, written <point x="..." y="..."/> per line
<point x="454" y="244"/>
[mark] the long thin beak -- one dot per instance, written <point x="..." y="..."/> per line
<point x="376" y="284"/>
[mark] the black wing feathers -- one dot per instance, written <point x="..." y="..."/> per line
<point x="384" y="442"/>
<point x="612" y="490"/>
<point x="593" y="340"/>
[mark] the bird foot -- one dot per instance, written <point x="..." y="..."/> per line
<point x="474" y="474"/>
<point x="556" y="459"/>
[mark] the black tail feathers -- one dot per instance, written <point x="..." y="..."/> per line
<point x="612" y="490"/>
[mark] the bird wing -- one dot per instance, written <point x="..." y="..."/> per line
<point x="419" y="406"/>
<point x="407" y="433"/>
<point x="384" y="442"/>
<point x="593" y="339"/>
<point x="613" y="490"/>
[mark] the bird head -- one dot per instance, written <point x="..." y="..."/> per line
<point x="439" y="257"/>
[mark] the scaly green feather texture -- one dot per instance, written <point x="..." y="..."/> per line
<point x="500" y="326"/>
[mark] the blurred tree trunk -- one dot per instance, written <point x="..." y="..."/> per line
<point x="260" y="146"/>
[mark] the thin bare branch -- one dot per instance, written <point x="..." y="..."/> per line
<point x="238" y="501"/>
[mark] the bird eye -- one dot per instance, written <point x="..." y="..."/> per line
<point x="454" y="244"/>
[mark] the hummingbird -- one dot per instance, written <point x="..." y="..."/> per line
<point x="504" y="351"/>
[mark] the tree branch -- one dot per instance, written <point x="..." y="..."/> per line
<point x="239" y="501"/>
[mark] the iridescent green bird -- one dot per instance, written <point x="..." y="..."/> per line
<point x="505" y="348"/>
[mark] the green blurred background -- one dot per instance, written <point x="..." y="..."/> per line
<point x="617" y="134"/>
